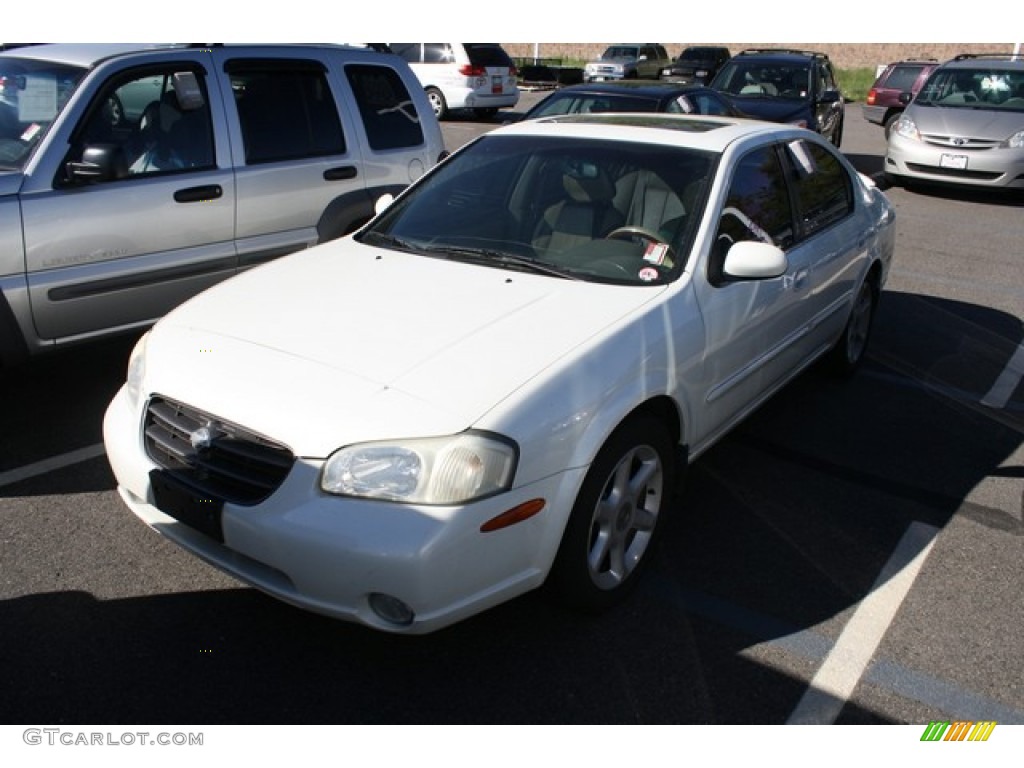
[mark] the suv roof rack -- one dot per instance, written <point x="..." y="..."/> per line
<point x="963" y="56"/>
<point x="747" y="51"/>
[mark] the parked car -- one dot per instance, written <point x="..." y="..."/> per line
<point x="496" y="383"/>
<point x="786" y="86"/>
<point x="634" y="96"/>
<point x="624" y="61"/>
<point x="134" y="177"/>
<point x="476" y="76"/>
<point x="883" y="104"/>
<point x="696" y="64"/>
<point x="964" y="127"/>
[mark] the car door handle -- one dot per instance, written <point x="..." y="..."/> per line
<point x="799" y="279"/>
<point x="339" y="174"/>
<point x="201" y="194"/>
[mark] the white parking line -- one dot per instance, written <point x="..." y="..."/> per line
<point x="846" y="663"/>
<point x="50" y="464"/>
<point x="1007" y="382"/>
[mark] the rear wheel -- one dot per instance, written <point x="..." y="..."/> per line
<point x="849" y="352"/>
<point x="437" y="102"/>
<point x="616" y="518"/>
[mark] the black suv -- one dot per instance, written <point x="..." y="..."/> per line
<point x="785" y="86"/>
<point x="883" y="104"/>
<point x="697" y="64"/>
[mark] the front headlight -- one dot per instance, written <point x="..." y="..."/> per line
<point x="136" y="371"/>
<point x="438" y="470"/>
<point x="907" y="128"/>
<point x="1014" y="142"/>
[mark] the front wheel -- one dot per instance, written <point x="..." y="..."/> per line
<point x="616" y="518"/>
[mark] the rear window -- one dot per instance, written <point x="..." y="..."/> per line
<point x="385" y="107"/>
<point x="903" y="76"/>
<point x="487" y="55"/>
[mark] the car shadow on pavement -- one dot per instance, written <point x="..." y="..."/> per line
<point x="779" y="530"/>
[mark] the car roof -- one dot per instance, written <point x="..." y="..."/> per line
<point x="973" y="61"/>
<point x="713" y="134"/>
<point x="89" y="54"/>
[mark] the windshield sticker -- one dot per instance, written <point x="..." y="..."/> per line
<point x="31" y="132"/>
<point x="648" y="274"/>
<point x="38" y="101"/>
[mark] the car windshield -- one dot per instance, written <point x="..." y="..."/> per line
<point x="621" y="52"/>
<point x="32" y="94"/>
<point x="759" y="79"/>
<point x="982" y="87"/>
<point x="595" y="210"/>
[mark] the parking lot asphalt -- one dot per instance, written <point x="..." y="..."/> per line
<point x="850" y="554"/>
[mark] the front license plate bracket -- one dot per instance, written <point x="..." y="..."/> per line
<point x="186" y="504"/>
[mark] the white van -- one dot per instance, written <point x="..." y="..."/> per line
<point x="477" y="76"/>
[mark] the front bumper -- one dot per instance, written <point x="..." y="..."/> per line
<point x="330" y="554"/>
<point x="994" y="167"/>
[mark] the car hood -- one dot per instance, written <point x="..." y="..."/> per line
<point x="990" y="124"/>
<point x="773" y="110"/>
<point x="345" y="343"/>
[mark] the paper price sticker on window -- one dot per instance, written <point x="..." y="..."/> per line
<point x="656" y="253"/>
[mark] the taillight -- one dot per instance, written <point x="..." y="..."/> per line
<point x="871" y="96"/>
<point x="471" y="71"/>
<point x="512" y="70"/>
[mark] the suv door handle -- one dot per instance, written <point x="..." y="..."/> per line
<point x="198" y="194"/>
<point x="341" y="173"/>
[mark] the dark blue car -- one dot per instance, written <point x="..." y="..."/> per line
<point x="785" y="86"/>
<point x="635" y="96"/>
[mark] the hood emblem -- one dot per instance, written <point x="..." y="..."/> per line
<point x="958" y="141"/>
<point x="202" y="438"/>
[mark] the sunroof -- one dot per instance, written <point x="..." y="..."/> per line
<point x="689" y="125"/>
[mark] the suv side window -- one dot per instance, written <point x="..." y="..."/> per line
<point x="385" y="106"/>
<point x="437" y="53"/>
<point x="286" y="110"/>
<point x="823" y="191"/>
<point x="149" y="122"/>
<point x="410" y="52"/>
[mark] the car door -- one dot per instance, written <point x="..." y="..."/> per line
<point x="755" y="328"/>
<point x="138" y="215"/>
<point x="827" y="106"/>
<point x="293" y="150"/>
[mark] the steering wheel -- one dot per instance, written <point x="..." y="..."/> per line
<point x="633" y="232"/>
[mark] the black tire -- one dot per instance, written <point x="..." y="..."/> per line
<point x="850" y="350"/>
<point x="890" y="121"/>
<point x="437" y="103"/>
<point x="616" y="519"/>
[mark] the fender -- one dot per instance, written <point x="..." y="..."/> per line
<point x="13" y="349"/>
<point x="348" y="212"/>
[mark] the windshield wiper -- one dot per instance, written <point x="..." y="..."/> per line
<point x="389" y="241"/>
<point x="489" y="256"/>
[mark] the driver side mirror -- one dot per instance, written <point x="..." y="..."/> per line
<point x="100" y="162"/>
<point x="751" y="260"/>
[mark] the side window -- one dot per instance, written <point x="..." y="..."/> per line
<point x="823" y="190"/>
<point x="146" y="123"/>
<point x="286" y="110"/>
<point x="757" y="207"/>
<point x="408" y="51"/>
<point x="438" y="53"/>
<point x="387" y="110"/>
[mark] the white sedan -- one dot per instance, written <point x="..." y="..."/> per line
<point x="496" y="384"/>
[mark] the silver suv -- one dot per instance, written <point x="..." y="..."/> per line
<point x="134" y="177"/>
<point x="626" y="61"/>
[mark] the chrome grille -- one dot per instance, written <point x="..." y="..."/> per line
<point x="216" y="457"/>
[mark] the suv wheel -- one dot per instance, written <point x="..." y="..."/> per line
<point x="437" y="102"/>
